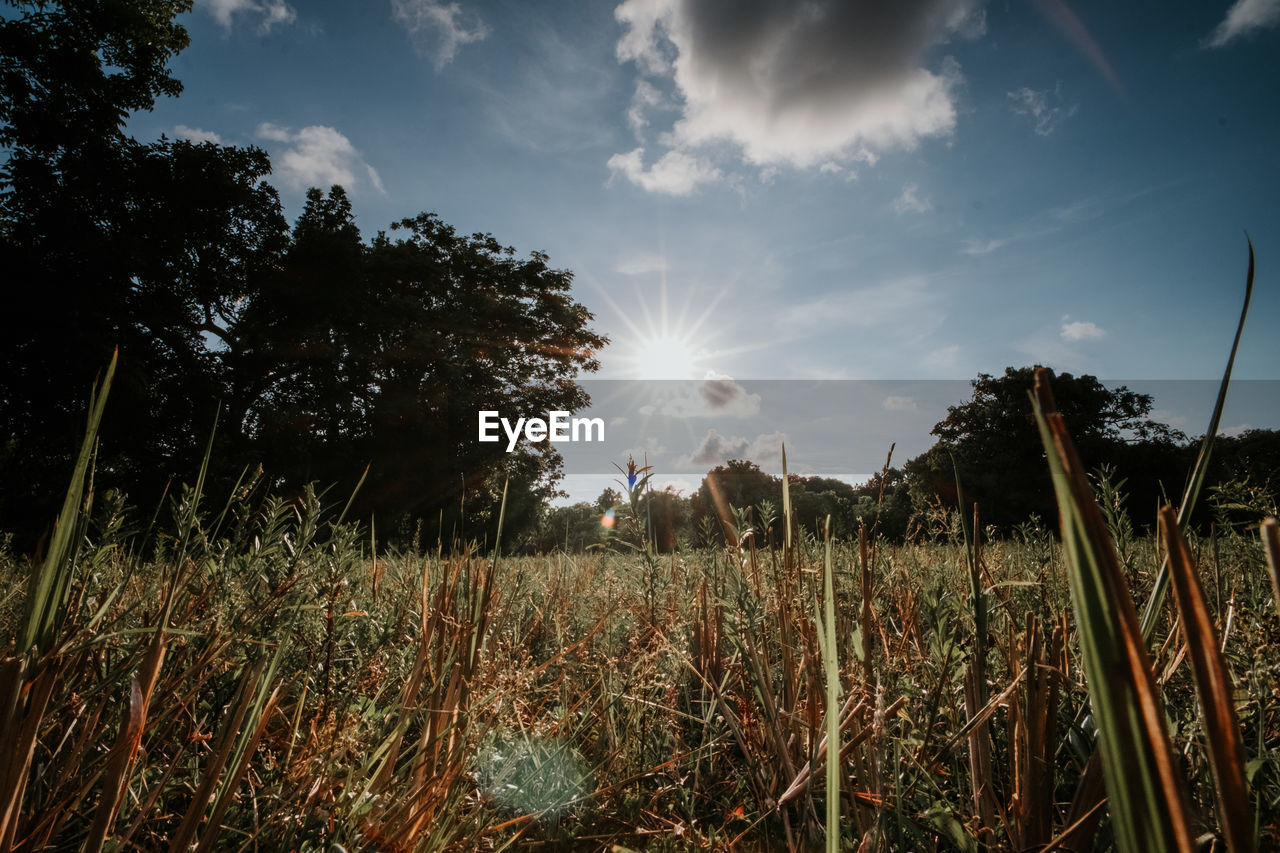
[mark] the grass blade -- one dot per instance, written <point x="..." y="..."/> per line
<point x="1201" y="469"/>
<point x="47" y="587"/>
<point x="1148" y="799"/>
<point x="1271" y="546"/>
<point x="1213" y="688"/>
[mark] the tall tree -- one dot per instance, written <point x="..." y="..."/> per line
<point x="383" y="354"/>
<point x="108" y="242"/>
<point x="997" y="451"/>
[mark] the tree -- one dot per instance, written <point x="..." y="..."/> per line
<point x="997" y="451"/>
<point x="383" y="354"/>
<point x="112" y="243"/>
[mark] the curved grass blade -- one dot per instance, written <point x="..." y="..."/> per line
<point x="1195" y="483"/>
<point x="1148" y="800"/>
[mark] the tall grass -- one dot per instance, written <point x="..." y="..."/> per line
<point x="474" y="704"/>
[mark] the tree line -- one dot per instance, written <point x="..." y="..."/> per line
<point x="988" y="452"/>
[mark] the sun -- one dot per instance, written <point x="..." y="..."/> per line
<point x="659" y="340"/>
<point x="665" y="356"/>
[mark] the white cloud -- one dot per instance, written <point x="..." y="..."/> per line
<point x="800" y="84"/>
<point x="716" y="449"/>
<point x="911" y="202"/>
<point x="195" y="134"/>
<point x="273" y="132"/>
<point x="650" y="449"/>
<point x="675" y="173"/>
<point x="894" y="403"/>
<point x="438" y="28"/>
<point x="1245" y="17"/>
<point x="1035" y="104"/>
<point x="1166" y="416"/>
<point x="268" y="12"/>
<point x="318" y="156"/>
<point x="833" y="168"/>
<point x="645" y="99"/>
<point x="1079" y="330"/>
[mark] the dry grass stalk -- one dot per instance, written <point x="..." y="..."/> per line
<point x="1213" y="688"/>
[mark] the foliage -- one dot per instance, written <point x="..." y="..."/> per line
<point x="997" y="454"/>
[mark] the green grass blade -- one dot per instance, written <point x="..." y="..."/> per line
<point x="831" y="667"/>
<point x="786" y="500"/>
<point x="48" y="583"/>
<point x="1147" y="797"/>
<point x="1201" y="469"/>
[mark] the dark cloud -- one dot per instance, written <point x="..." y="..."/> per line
<point x="715" y="449"/>
<point x="800" y="83"/>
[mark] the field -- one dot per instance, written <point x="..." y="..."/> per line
<point x="248" y="674"/>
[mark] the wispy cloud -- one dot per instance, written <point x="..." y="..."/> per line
<point x="944" y="360"/>
<point x="716" y="397"/>
<point x="831" y="167"/>
<point x="317" y="156"/>
<point x="910" y="201"/>
<point x="556" y="102"/>
<point x="905" y="308"/>
<point x="1035" y="104"/>
<point x="641" y="263"/>
<point x="438" y="29"/>
<point x="268" y="13"/>
<point x="1244" y="18"/>
<point x="195" y="134"/>
<point x="1055" y="219"/>
<point x="797" y="84"/>
<point x="975" y="246"/>
<point x="897" y="403"/>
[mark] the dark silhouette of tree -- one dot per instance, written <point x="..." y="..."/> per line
<point x="107" y="242"/>
<point x="998" y="454"/>
<point x="383" y="354"/>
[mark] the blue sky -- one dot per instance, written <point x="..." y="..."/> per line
<point x="924" y="189"/>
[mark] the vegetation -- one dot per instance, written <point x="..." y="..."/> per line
<point x="251" y="673"/>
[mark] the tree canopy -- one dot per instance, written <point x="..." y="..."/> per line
<point x="999" y="460"/>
